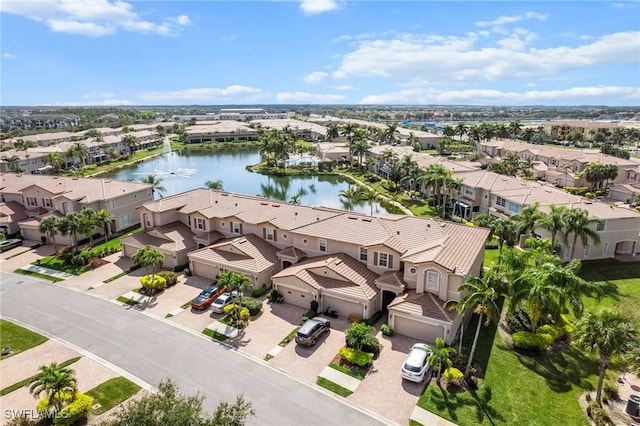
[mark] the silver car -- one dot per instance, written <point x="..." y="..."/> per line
<point x="416" y="364"/>
<point x="311" y="330"/>
<point x="223" y="300"/>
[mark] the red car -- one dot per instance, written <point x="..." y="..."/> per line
<point x="206" y="297"/>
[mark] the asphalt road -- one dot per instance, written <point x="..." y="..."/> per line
<point x="153" y="350"/>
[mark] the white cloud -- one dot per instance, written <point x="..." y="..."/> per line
<point x="203" y="95"/>
<point x="308" y="98"/>
<point x="574" y="95"/>
<point x="503" y="20"/>
<point x="100" y="95"/>
<point x="345" y="88"/>
<point x="314" y="7"/>
<point x="92" y="18"/>
<point x="446" y="59"/>
<point x="8" y="55"/>
<point x="315" y="77"/>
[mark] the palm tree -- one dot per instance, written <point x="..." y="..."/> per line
<point x="70" y="224"/>
<point x="148" y="257"/>
<point x="440" y="357"/>
<point x="213" y="184"/>
<point x="333" y="131"/>
<point x="480" y="298"/>
<point x="131" y="142"/>
<point x="55" y="160"/>
<point x="295" y="199"/>
<point x="348" y="195"/>
<point x="55" y="381"/>
<point x="348" y="130"/>
<point x="49" y="227"/>
<point x="515" y="128"/>
<point x="88" y="223"/>
<point x="360" y="148"/>
<point x="609" y="332"/>
<point x="78" y="150"/>
<point x="155" y="183"/>
<point x="234" y="282"/>
<point x="554" y="222"/>
<point x="369" y="195"/>
<point x="577" y="223"/>
<point x="536" y="294"/>
<point x="528" y="218"/>
<point x="103" y="218"/>
<point x="389" y="134"/>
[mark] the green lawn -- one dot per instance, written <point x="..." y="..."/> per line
<point x="27" y="381"/>
<point x="53" y="262"/>
<point x="111" y="393"/>
<point x="37" y="275"/>
<point x="490" y="257"/>
<point x="333" y="387"/>
<point x="18" y="338"/>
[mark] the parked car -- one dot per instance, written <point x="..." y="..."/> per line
<point x="9" y="244"/>
<point x="416" y="364"/>
<point x="311" y="330"/>
<point x="223" y="300"/>
<point x="206" y="298"/>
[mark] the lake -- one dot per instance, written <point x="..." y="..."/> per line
<point x="182" y="171"/>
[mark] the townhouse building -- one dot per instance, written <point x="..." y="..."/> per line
<point x="353" y="263"/>
<point x="26" y="199"/>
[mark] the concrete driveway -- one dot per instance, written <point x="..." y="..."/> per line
<point x="307" y="362"/>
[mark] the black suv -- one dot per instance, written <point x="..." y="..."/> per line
<point x="311" y="330"/>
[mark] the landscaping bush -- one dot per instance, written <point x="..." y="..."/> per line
<point x="597" y="414"/>
<point x="610" y="390"/>
<point x="518" y="321"/>
<point x="187" y="272"/>
<point x="309" y="314"/>
<point x="371" y="344"/>
<point x="386" y="330"/>
<point x="259" y="292"/>
<point x="530" y="341"/>
<point x="556" y="332"/>
<point x="453" y="375"/>
<point x="244" y="314"/>
<point x="355" y="356"/>
<point x="273" y="296"/>
<point x="169" y="276"/>
<point x="75" y="411"/>
<point x="492" y="244"/>
<point x="254" y="306"/>
<point x="153" y="283"/>
<point x="374" y="319"/>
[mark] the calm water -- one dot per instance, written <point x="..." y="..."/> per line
<point x="185" y="170"/>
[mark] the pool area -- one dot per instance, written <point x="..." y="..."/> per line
<point x="302" y="161"/>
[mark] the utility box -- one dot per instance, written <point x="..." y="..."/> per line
<point x="633" y="407"/>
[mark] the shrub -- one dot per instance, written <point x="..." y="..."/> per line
<point x="356" y="335"/>
<point x="386" y="330"/>
<point x="244" y="315"/>
<point x="459" y="360"/>
<point x="153" y="282"/>
<point x="518" y="321"/>
<point x="555" y="331"/>
<point x="355" y="356"/>
<point x="229" y="309"/>
<point x="611" y="390"/>
<point x="273" y="296"/>
<point x="309" y="314"/>
<point x="530" y="341"/>
<point x="374" y="318"/>
<point x="169" y="276"/>
<point x="43" y="406"/>
<point x="254" y="306"/>
<point x="259" y="292"/>
<point x="597" y="414"/>
<point x="75" y="411"/>
<point x="453" y="375"/>
<point x="187" y="272"/>
<point x="370" y="344"/>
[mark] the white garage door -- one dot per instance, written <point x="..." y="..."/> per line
<point x="206" y="271"/>
<point x="31" y="234"/>
<point x="295" y="297"/>
<point x="416" y="329"/>
<point x="343" y="307"/>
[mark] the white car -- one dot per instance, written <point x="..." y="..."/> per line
<point x="416" y="364"/>
<point x="223" y="300"/>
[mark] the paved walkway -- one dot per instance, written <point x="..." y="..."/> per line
<point x="47" y="271"/>
<point x="427" y="418"/>
<point x="339" y="378"/>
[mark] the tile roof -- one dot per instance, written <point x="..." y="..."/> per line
<point x="426" y="305"/>
<point x="173" y="237"/>
<point x="11" y="212"/>
<point x="356" y="279"/>
<point x="248" y="253"/>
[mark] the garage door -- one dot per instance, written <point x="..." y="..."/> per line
<point x="343" y="307"/>
<point x="128" y="251"/>
<point x="204" y="270"/>
<point x="30" y="234"/>
<point x="416" y="329"/>
<point x="295" y="297"/>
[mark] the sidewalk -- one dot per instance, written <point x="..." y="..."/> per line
<point x="47" y="271"/>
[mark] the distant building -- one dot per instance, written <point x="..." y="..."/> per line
<point x="238" y="114"/>
<point x="38" y="121"/>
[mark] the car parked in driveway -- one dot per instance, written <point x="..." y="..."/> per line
<point x="9" y="244"/>
<point x="206" y="298"/>
<point x="311" y="330"/>
<point x="223" y="300"/>
<point x="416" y="364"/>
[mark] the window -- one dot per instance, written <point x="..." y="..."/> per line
<point x="32" y="201"/>
<point x="66" y="208"/>
<point x="384" y="260"/>
<point x="600" y="225"/>
<point x="111" y="204"/>
<point x="236" y="227"/>
<point x="468" y="190"/>
<point x="514" y="208"/>
<point x="500" y="201"/>
<point x="189" y="220"/>
<point x="363" y="254"/>
<point x="270" y="234"/>
<point x="47" y="202"/>
<point x="587" y="250"/>
<point x="605" y="248"/>
<point x="123" y="221"/>
<point x="433" y="280"/>
<point x="200" y="224"/>
<point x="322" y="245"/>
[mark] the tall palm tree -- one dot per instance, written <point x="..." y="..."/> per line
<point x="88" y="223"/>
<point x="609" y="332"/>
<point x="214" y="184"/>
<point x="234" y="282"/>
<point x="55" y="381"/>
<point x="49" y="227"/>
<point x="55" y="160"/>
<point x="348" y="195"/>
<point x="295" y="199"/>
<point x="360" y="148"/>
<point x="70" y="224"/>
<point x="369" y="195"/>
<point x="78" y="150"/>
<point x="148" y="257"/>
<point x="528" y="218"/>
<point x="347" y="131"/>
<point x="333" y="131"/>
<point x="515" y="128"/>
<point x="539" y="297"/>
<point x="507" y="231"/>
<point x="131" y="142"/>
<point x="440" y="358"/>
<point x="480" y="298"/>
<point x="103" y="219"/>
<point x="554" y="222"/>
<point x="389" y="134"/>
<point x="577" y="222"/>
<point x="155" y="183"/>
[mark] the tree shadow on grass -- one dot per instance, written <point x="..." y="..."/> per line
<point x="452" y="401"/>
<point x="562" y="369"/>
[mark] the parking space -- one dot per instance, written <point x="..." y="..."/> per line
<point x="307" y="362"/>
<point x="384" y="380"/>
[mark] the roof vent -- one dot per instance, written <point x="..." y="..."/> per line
<point x="397" y="232"/>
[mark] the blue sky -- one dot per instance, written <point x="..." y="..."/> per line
<point x="113" y="52"/>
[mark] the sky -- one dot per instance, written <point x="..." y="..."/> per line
<point x="116" y="52"/>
